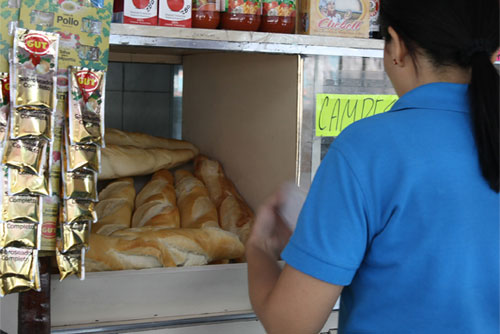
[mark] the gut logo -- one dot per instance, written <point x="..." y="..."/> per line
<point x="49" y="230"/>
<point x="87" y="81"/>
<point x="37" y="44"/>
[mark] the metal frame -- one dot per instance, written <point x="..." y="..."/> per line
<point x="242" y="41"/>
<point x="150" y="325"/>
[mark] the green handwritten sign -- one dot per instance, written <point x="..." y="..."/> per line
<point x="334" y="112"/>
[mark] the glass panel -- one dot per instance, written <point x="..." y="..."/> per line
<point x="332" y="75"/>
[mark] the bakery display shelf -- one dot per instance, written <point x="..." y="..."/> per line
<point x="141" y="295"/>
<point x="156" y="324"/>
<point x="188" y="41"/>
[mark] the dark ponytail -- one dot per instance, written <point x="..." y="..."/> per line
<point x="483" y="94"/>
<point x="460" y="33"/>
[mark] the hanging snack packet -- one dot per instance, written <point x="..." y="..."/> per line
<point x="75" y="236"/>
<point x="31" y="123"/>
<point x="18" y="270"/>
<point x="24" y="183"/>
<point x="71" y="263"/>
<point x="26" y="154"/>
<point x="4" y="105"/>
<point x="80" y="186"/>
<point x="34" y="68"/>
<point x="84" y="157"/>
<point x="21" y="208"/>
<point x="20" y="235"/>
<point x="78" y="211"/>
<point x="86" y="106"/>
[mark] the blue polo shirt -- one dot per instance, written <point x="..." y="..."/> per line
<point x="400" y="215"/>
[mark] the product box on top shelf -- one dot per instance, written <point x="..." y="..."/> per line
<point x="83" y="26"/>
<point x="175" y="13"/>
<point x="9" y="12"/>
<point x="144" y="12"/>
<point x="343" y="18"/>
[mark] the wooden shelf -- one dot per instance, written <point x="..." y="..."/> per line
<point x="181" y="41"/>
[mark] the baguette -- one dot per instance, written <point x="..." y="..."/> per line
<point x="196" y="208"/>
<point x="156" y="203"/>
<point x="115" y="206"/>
<point x="234" y="213"/>
<point x="123" y="161"/>
<point x="141" y="140"/>
<point x="152" y="247"/>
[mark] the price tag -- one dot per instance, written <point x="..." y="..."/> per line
<point x="335" y="112"/>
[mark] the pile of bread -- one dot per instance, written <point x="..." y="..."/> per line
<point x="178" y="218"/>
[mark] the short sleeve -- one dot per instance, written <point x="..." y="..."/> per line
<point x="330" y="239"/>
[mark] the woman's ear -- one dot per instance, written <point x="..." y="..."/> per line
<point x="396" y="48"/>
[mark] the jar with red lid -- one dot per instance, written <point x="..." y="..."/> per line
<point x="206" y="14"/>
<point x="242" y="15"/>
<point x="278" y="16"/>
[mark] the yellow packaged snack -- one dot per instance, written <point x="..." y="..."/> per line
<point x="31" y="123"/>
<point x="20" y="235"/>
<point x="22" y="208"/>
<point x="78" y="211"/>
<point x="80" y="186"/>
<point x="4" y="105"/>
<point x="18" y="270"/>
<point x="33" y="69"/>
<point x="86" y="106"/>
<point x="71" y="263"/>
<point x="24" y="183"/>
<point x="75" y="235"/>
<point x="27" y="154"/>
<point x="84" y="157"/>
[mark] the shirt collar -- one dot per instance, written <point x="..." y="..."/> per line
<point x="438" y="95"/>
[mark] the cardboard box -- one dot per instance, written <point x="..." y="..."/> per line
<point x="84" y="28"/>
<point x="9" y="12"/>
<point x="175" y="13"/>
<point x="343" y="18"/>
<point x="144" y="12"/>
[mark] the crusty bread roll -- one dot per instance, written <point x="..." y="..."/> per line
<point x="123" y="161"/>
<point x="151" y="247"/>
<point x="156" y="202"/>
<point x="234" y="213"/>
<point x="115" y="206"/>
<point x="196" y="208"/>
<point x="141" y="140"/>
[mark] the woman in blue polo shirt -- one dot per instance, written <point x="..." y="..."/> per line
<point x="402" y="218"/>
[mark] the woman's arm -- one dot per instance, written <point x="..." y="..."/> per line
<point x="287" y="301"/>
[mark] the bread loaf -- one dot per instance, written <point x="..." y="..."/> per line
<point x="115" y="206"/>
<point x="196" y="208"/>
<point x="234" y="213"/>
<point x="151" y="247"/>
<point x="156" y="202"/>
<point x="141" y="140"/>
<point x="123" y="161"/>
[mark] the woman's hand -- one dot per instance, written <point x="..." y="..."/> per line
<point x="286" y="301"/>
<point x="269" y="232"/>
